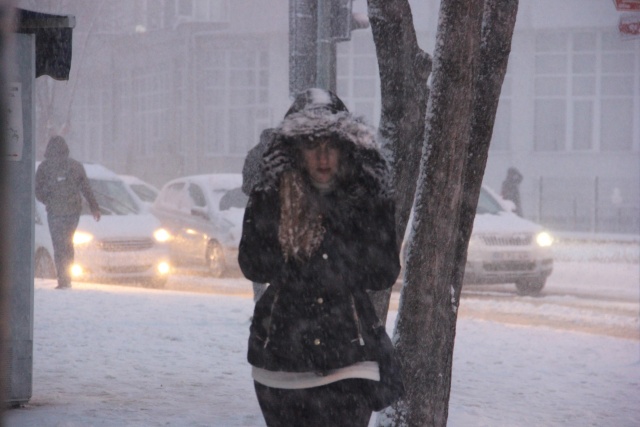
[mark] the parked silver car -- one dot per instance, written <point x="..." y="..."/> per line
<point x="204" y="215"/>
<point x="505" y="248"/>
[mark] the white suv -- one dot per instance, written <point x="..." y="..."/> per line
<point x="505" y="248"/>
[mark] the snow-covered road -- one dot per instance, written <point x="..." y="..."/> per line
<point x="113" y="356"/>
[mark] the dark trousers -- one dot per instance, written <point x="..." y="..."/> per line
<point x="338" y="404"/>
<point x="62" y="229"/>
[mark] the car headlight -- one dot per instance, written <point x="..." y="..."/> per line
<point x="164" y="267"/>
<point x="82" y="238"/>
<point x="76" y="270"/>
<point x="162" y="235"/>
<point x="544" y="239"/>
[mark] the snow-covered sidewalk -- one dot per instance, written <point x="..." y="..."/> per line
<point x="125" y="356"/>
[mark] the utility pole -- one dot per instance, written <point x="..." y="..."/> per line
<point x="325" y="48"/>
<point x="315" y="26"/>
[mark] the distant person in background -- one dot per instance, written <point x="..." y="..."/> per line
<point x="511" y="188"/>
<point x="251" y="176"/>
<point x="60" y="183"/>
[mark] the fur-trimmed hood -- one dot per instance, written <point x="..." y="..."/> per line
<point x="317" y="113"/>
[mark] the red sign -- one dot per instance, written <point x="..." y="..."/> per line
<point x="627" y="5"/>
<point x="630" y="24"/>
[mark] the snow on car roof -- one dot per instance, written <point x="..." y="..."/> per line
<point x="132" y="179"/>
<point x="95" y="171"/>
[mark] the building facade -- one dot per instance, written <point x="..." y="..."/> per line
<point x="181" y="87"/>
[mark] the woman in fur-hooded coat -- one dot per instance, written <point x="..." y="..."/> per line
<point x="319" y="244"/>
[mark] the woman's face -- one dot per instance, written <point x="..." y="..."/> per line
<point x="321" y="159"/>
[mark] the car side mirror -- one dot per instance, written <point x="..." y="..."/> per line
<point x="201" y="213"/>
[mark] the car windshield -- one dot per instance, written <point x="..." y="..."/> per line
<point x="112" y="197"/>
<point x="145" y="193"/>
<point x="487" y="204"/>
<point x="234" y="198"/>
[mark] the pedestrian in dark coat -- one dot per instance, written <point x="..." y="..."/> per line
<point x="320" y="230"/>
<point x="60" y="184"/>
<point x="511" y="188"/>
<point x="252" y="176"/>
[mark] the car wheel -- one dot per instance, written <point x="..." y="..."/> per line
<point x="44" y="267"/>
<point x="215" y="259"/>
<point x="530" y="287"/>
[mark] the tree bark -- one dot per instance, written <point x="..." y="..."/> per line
<point x="471" y="62"/>
<point x="404" y="69"/>
<point x="499" y="22"/>
<point x="428" y="310"/>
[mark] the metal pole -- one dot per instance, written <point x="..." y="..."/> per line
<point x="302" y="45"/>
<point x="595" y="206"/>
<point x="324" y="46"/>
<point x="540" y="200"/>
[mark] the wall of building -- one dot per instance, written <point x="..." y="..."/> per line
<point x="192" y="98"/>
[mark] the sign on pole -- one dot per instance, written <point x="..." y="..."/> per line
<point x="629" y="25"/>
<point x="627" y="5"/>
<point x="15" y="135"/>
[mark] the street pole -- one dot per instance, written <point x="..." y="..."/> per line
<point x="325" y="55"/>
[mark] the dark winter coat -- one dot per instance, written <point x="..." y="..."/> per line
<point x="251" y="170"/>
<point x="60" y="182"/>
<point x="308" y="321"/>
<point x="511" y="188"/>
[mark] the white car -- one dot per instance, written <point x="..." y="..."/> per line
<point x="145" y="192"/>
<point x="204" y="215"/>
<point x="126" y="245"/>
<point x="505" y="248"/>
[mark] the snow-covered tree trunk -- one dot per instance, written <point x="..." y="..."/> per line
<point x="404" y="69"/>
<point x="469" y="66"/>
<point x="428" y="310"/>
<point x="497" y="31"/>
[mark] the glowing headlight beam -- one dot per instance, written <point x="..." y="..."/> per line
<point x="77" y="270"/>
<point x="544" y="239"/>
<point x="164" y="268"/>
<point x="162" y="235"/>
<point x="82" y="238"/>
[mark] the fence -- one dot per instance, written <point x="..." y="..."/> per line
<point x="594" y="204"/>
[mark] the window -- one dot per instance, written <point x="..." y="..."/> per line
<point x="197" y="196"/>
<point x="501" y="137"/>
<point x="549" y="122"/>
<point x="145" y="193"/>
<point x="202" y="10"/>
<point x="90" y="128"/>
<point x="151" y="94"/>
<point x="585" y="87"/>
<point x="550" y="90"/>
<point x="112" y="197"/>
<point x="357" y="76"/>
<point x="234" y="96"/>
<point x="172" y="195"/>
<point x="619" y="66"/>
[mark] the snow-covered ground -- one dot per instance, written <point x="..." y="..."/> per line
<point x="126" y="356"/>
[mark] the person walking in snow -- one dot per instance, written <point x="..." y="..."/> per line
<point x="511" y="188"/>
<point x="320" y="229"/>
<point x="60" y="182"/>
